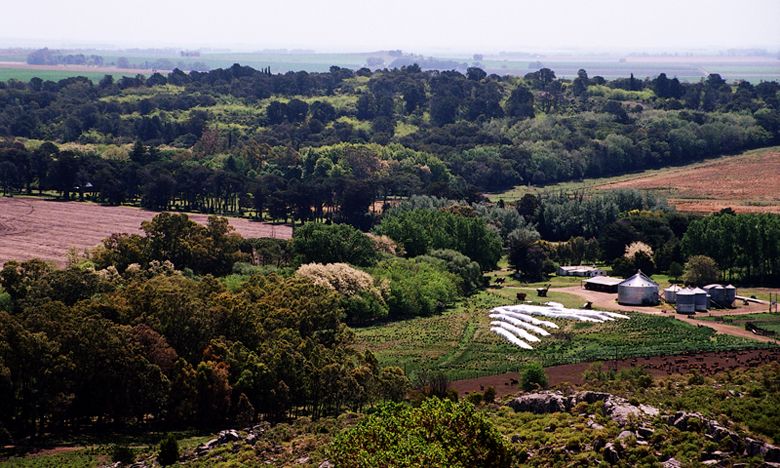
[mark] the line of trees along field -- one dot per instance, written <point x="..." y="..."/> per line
<point x="309" y="145"/>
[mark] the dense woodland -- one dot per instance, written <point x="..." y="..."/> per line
<point x="325" y="145"/>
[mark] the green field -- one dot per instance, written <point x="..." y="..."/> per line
<point x="770" y="322"/>
<point x="459" y="342"/>
<point x="24" y="74"/>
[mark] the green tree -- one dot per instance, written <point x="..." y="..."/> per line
<point x="520" y="104"/>
<point x="700" y="270"/>
<point x="533" y="377"/>
<point x="333" y="243"/>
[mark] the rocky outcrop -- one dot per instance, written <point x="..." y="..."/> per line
<point x="618" y="408"/>
<point x="636" y="421"/>
<point x="540" y="403"/>
<point x="249" y="435"/>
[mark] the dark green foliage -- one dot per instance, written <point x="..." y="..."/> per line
<point x="422" y="230"/>
<point x="122" y="454"/>
<point x="458" y="264"/>
<point x="744" y="246"/>
<point x="438" y="433"/>
<point x="417" y="287"/>
<point x="169" y="451"/>
<point x="533" y="377"/>
<point x="333" y="243"/>
<point x="210" y="249"/>
<point x="490" y="395"/>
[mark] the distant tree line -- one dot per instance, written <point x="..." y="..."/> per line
<point x="490" y="132"/>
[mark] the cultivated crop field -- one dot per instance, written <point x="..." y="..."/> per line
<point x="35" y="228"/>
<point x="747" y="182"/>
<point x="460" y="344"/>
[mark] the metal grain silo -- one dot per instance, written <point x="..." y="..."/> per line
<point x="701" y="299"/>
<point x="638" y="290"/>
<point x="686" y="301"/>
<point x="730" y="293"/>
<point x="670" y="293"/>
<point x="717" y="294"/>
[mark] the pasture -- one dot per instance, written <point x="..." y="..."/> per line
<point x="36" y="228"/>
<point x="459" y="342"/>
<point x="742" y="182"/>
<point x="769" y="321"/>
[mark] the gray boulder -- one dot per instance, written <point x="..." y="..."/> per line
<point x="539" y="403"/>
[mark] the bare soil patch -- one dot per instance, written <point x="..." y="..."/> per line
<point x="747" y="183"/>
<point x="659" y="366"/>
<point x="36" y="228"/>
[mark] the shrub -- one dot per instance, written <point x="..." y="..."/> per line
<point x="169" y="451"/>
<point x="458" y="264"/>
<point x="490" y="395"/>
<point x="362" y="300"/>
<point x="533" y="377"/>
<point x="474" y="398"/>
<point x="122" y="454"/>
<point x="438" y="433"/>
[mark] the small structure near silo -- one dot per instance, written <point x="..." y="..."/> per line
<point x="607" y="284"/>
<point x="670" y="293"/>
<point x="701" y="300"/>
<point x="638" y="290"/>
<point x="685" y="301"/>
<point x="580" y="270"/>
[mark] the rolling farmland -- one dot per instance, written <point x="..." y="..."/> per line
<point x="35" y="228"/>
<point x="747" y="183"/>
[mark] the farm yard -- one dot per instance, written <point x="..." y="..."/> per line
<point x="36" y="228"/>
<point x="459" y="342"/>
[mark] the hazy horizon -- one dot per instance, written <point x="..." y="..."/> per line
<point x="435" y="26"/>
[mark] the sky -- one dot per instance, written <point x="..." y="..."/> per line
<point x="416" y="25"/>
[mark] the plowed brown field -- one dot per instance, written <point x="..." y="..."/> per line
<point x="749" y="183"/>
<point x="35" y="228"/>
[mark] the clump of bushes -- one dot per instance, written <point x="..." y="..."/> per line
<point x="361" y="298"/>
<point x="169" y="451"/>
<point x="437" y="433"/>
<point x="533" y="377"/>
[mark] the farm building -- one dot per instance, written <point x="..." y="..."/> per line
<point x="580" y="270"/>
<point x="605" y="284"/>
<point x="638" y="290"/>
